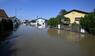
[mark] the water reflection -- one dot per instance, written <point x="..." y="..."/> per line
<point x="6" y="44"/>
<point x="48" y="42"/>
<point x="16" y="27"/>
<point x="85" y="42"/>
<point x="88" y="45"/>
<point x="68" y="36"/>
<point x="60" y="34"/>
<point x="6" y="48"/>
<point x="4" y="35"/>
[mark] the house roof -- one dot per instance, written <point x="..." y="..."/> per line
<point x="3" y="13"/>
<point x="77" y="11"/>
<point x="41" y="18"/>
<point x="13" y="17"/>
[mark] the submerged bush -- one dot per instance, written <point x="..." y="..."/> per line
<point x="88" y="22"/>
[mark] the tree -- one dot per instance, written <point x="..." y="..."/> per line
<point x="65" y="21"/>
<point x="88" y="22"/>
<point x="33" y="21"/>
<point x="52" y="22"/>
<point x="61" y="15"/>
<point x="62" y="12"/>
<point x="57" y="20"/>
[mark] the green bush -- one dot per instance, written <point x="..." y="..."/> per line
<point x="88" y="22"/>
<point x="52" y="22"/>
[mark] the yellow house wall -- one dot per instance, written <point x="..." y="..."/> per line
<point x="73" y="15"/>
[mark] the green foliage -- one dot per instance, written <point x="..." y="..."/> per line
<point x="59" y="18"/>
<point x="52" y="22"/>
<point x="66" y="19"/>
<point x="62" y="12"/>
<point x="88" y="23"/>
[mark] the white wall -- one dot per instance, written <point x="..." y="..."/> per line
<point x="40" y="21"/>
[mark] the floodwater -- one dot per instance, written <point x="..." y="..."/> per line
<point x="32" y="41"/>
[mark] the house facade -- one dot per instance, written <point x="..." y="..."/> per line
<point x="75" y="15"/>
<point x="41" y="22"/>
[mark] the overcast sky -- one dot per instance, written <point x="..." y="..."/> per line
<point x="29" y="9"/>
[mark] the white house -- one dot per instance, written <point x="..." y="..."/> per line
<point x="41" y="22"/>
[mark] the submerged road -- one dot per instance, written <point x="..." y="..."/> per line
<point x="31" y="41"/>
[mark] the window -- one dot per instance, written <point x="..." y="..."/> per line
<point x="77" y="19"/>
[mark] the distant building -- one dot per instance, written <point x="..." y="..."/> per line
<point x="75" y="15"/>
<point x="33" y="22"/>
<point x="41" y="21"/>
<point x="15" y="21"/>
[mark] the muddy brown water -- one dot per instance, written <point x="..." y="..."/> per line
<point x="31" y="41"/>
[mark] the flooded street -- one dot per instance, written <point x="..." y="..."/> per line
<point x="31" y="41"/>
